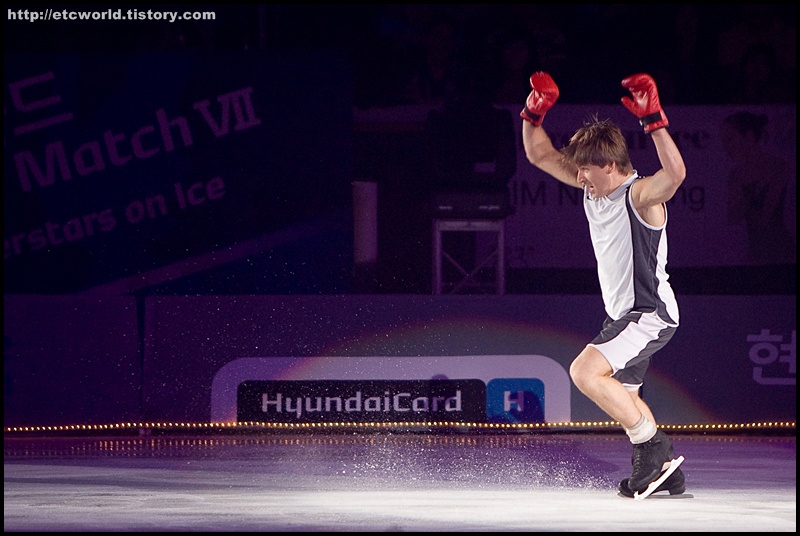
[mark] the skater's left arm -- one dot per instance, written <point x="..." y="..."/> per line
<point x="659" y="188"/>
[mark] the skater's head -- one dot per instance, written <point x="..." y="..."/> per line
<point x="599" y="143"/>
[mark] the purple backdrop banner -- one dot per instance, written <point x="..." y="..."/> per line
<point x="74" y="360"/>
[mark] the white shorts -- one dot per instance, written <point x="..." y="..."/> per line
<point x="629" y="343"/>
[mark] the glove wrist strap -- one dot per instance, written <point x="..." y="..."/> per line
<point x="650" y="119"/>
<point x="535" y="119"/>
<point x="654" y="121"/>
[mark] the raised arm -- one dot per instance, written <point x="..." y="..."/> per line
<point x="662" y="185"/>
<point x="538" y="148"/>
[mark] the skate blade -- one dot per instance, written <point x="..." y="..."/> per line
<point x="674" y="464"/>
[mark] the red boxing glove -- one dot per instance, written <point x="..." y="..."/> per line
<point x="645" y="104"/>
<point x="541" y="99"/>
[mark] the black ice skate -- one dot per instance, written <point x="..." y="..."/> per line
<point x="675" y="484"/>
<point x="650" y="459"/>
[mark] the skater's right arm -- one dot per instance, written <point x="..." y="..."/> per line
<point x="538" y="148"/>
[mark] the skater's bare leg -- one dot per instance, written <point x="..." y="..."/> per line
<point x="591" y="374"/>
<point x="652" y="449"/>
<point x="642" y="406"/>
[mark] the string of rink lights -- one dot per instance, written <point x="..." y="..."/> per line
<point x="422" y="426"/>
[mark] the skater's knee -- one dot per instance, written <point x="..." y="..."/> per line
<point x="588" y="367"/>
<point x="578" y="374"/>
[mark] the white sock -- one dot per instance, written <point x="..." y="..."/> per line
<point x="642" y="431"/>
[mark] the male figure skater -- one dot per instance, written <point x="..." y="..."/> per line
<point x="627" y="217"/>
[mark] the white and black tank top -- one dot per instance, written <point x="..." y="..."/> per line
<point x="631" y="256"/>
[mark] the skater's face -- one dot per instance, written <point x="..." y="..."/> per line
<point x="596" y="179"/>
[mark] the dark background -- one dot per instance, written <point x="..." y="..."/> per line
<point x="98" y="354"/>
<point x="701" y="54"/>
<point x="407" y="54"/>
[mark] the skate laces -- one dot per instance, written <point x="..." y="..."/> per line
<point x="639" y="457"/>
<point x="645" y="454"/>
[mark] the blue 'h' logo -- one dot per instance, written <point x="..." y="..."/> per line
<point x="515" y="400"/>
